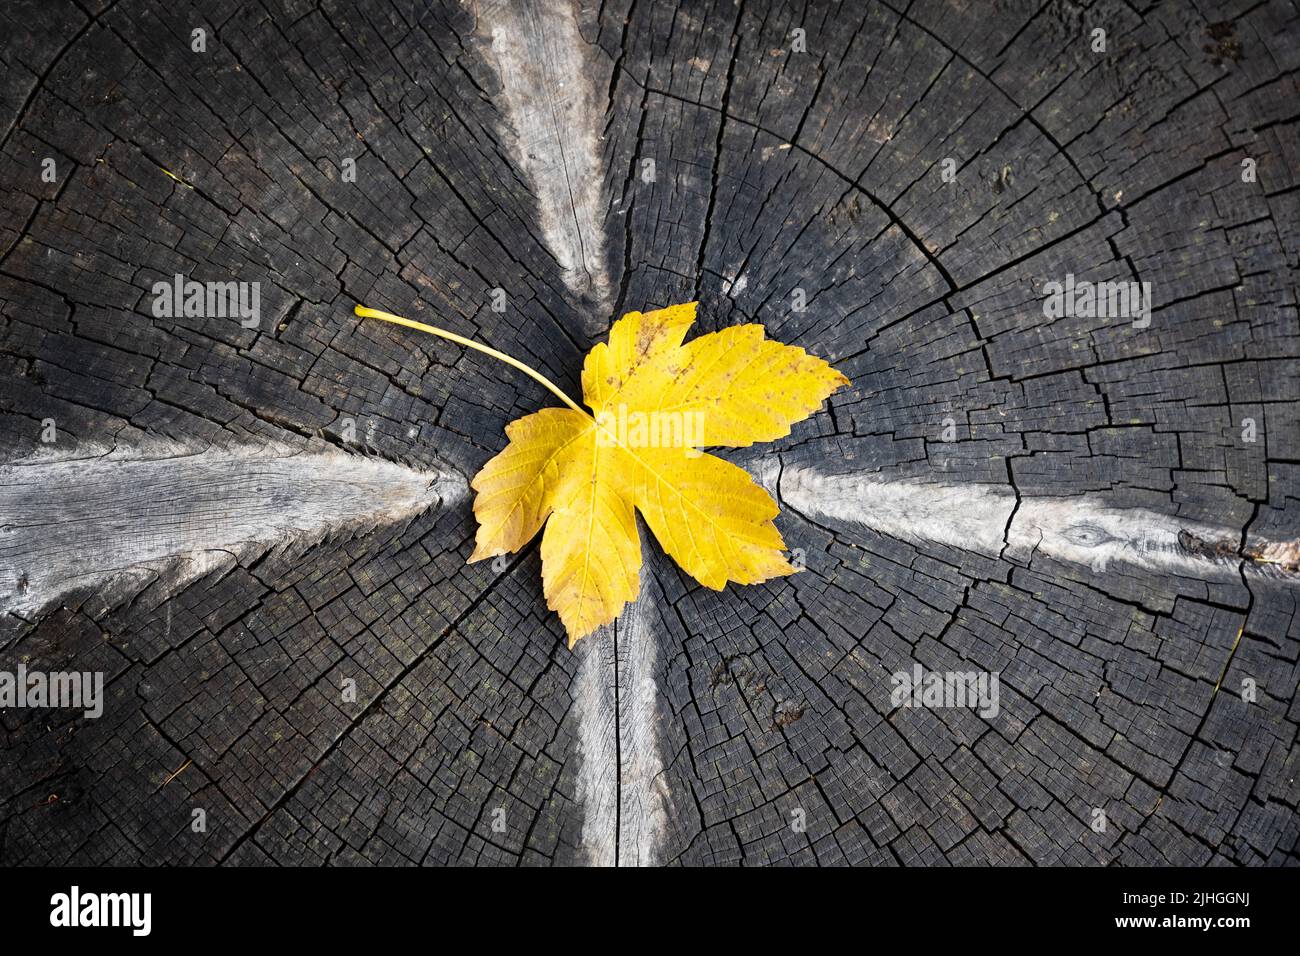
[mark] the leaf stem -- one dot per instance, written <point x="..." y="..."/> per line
<point x="367" y="313"/>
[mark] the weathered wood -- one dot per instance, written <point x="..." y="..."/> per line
<point x="1100" y="533"/>
<point x="83" y="522"/>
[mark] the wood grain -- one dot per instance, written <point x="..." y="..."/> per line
<point x="701" y="727"/>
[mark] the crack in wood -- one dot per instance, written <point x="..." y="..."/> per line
<point x="556" y="114"/>
<point x="69" y="523"/>
<point x="1077" y="530"/>
<point x="621" y="784"/>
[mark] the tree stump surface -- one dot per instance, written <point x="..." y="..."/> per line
<point x="236" y="524"/>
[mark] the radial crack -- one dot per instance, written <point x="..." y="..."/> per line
<point x="621" y="786"/>
<point x="557" y="113"/>
<point x="1077" y="530"/>
<point x="69" y="523"/>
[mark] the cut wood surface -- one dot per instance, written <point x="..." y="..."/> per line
<point x="259" y="534"/>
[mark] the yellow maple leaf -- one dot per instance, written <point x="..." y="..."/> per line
<point x="654" y="402"/>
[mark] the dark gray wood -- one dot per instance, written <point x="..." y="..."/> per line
<point x="698" y="727"/>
